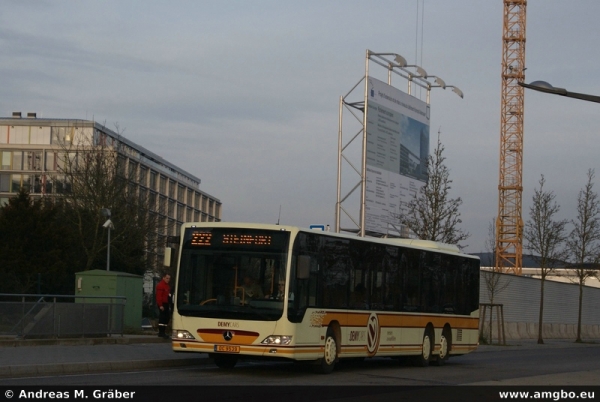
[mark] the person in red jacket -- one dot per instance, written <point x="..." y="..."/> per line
<point x="163" y="301"/>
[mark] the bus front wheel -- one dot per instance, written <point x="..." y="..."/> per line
<point x="327" y="362"/>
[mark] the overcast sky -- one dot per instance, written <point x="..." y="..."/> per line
<point x="245" y="94"/>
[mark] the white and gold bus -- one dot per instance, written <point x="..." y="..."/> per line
<point x="253" y="290"/>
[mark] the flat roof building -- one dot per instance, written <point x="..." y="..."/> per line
<point x="30" y="149"/>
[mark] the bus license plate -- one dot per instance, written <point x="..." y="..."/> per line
<point x="227" y="348"/>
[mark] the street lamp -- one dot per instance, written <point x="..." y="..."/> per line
<point x="543" y="86"/>
<point x="107" y="225"/>
<point x="441" y="84"/>
<point x="402" y="63"/>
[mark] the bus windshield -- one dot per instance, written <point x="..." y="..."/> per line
<point x="232" y="273"/>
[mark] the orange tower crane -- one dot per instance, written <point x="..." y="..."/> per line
<point x="509" y="222"/>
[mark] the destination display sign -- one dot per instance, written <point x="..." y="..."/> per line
<point x="233" y="238"/>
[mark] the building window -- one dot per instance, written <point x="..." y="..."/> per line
<point x="162" y="225"/>
<point x="153" y="180"/>
<point x="50" y="163"/>
<point x="48" y="184"/>
<point x="163" y="205"/>
<point x="33" y="161"/>
<point x="132" y="188"/>
<point x="102" y="139"/>
<point x="163" y="185"/>
<point x="152" y="201"/>
<point x="62" y="185"/>
<point x="171" y="228"/>
<point x="6" y="157"/>
<point x="180" y="212"/>
<point x="17" y="160"/>
<point x="121" y="165"/>
<point x="4" y="183"/>
<point x="18" y="135"/>
<point x="171" y="212"/>
<point x="20" y="181"/>
<point x="3" y="134"/>
<point x="180" y="193"/>
<point x="61" y="135"/>
<point x="143" y="176"/>
<point x="132" y="170"/>
<point x="40" y="135"/>
<point x="37" y="184"/>
<point x="66" y="161"/>
<point x="171" y="189"/>
<point x="143" y="196"/>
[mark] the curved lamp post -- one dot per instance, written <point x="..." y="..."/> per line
<point x="402" y="63"/>
<point x="543" y="86"/>
<point x="107" y="225"/>
<point x="441" y="84"/>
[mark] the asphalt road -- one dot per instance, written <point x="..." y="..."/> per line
<point x="563" y="363"/>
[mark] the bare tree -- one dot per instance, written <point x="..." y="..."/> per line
<point x="433" y="215"/>
<point x="545" y="237"/>
<point x="584" y="241"/>
<point x="95" y="176"/>
<point x="493" y="279"/>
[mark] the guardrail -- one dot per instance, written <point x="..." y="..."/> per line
<point x="61" y="316"/>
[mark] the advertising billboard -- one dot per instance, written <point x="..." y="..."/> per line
<point x="397" y="130"/>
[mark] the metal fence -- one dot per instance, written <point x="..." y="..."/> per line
<point x="61" y="316"/>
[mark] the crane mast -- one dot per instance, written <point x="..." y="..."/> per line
<point x="509" y="222"/>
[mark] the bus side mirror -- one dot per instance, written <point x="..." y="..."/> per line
<point x="303" y="267"/>
<point x="167" y="260"/>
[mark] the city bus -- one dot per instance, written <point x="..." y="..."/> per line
<point x="282" y="292"/>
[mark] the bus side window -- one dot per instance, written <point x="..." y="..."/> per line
<point x="303" y="267"/>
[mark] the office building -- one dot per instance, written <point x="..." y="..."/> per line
<point x="30" y="158"/>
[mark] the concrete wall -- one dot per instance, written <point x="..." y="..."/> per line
<point x="521" y="305"/>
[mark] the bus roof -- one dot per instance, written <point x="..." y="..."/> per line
<point x="411" y="243"/>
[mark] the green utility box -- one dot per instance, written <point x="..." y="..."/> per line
<point x="98" y="282"/>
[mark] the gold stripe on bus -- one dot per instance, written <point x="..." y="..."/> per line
<point x="292" y="351"/>
<point x="260" y="349"/>
<point x="353" y="349"/>
<point x="218" y="338"/>
<point x="359" y="319"/>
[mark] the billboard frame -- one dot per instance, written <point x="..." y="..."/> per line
<point x="395" y="65"/>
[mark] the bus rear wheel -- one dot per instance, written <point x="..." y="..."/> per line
<point x="445" y="346"/>
<point x="226" y="362"/>
<point x="327" y="362"/>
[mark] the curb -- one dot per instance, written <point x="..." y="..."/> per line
<point x="97" y="367"/>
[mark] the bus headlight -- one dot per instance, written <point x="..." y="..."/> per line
<point x="181" y="334"/>
<point x="277" y="340"/>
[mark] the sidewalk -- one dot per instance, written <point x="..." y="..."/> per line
<point x="25" y="358"/>
<point x="29" y="358"/>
